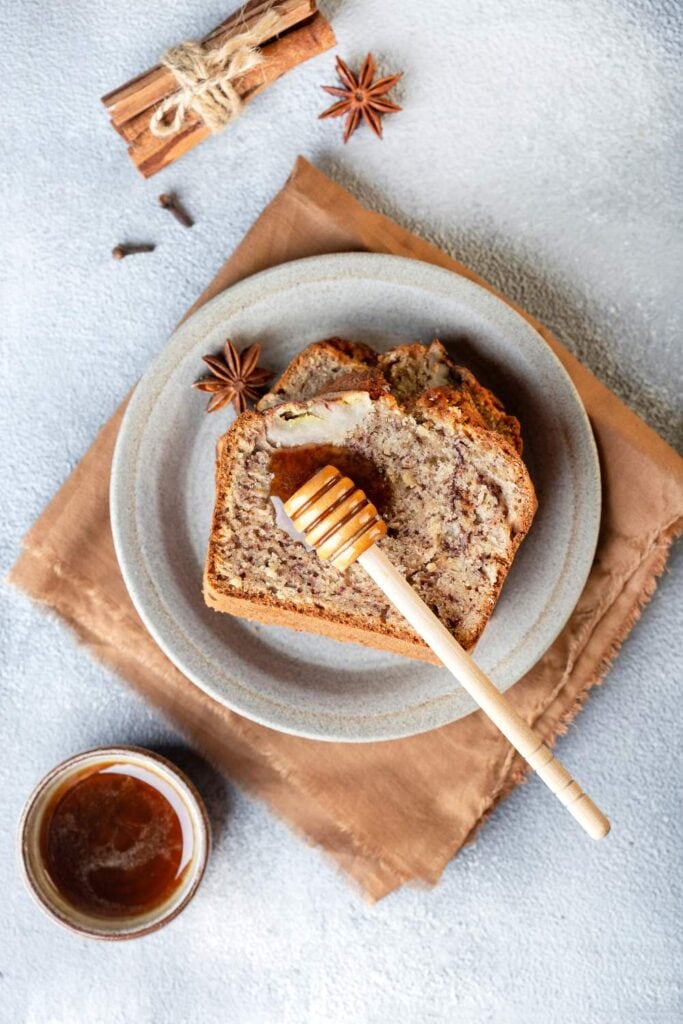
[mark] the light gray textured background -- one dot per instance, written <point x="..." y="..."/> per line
<point x="540" y="143"/>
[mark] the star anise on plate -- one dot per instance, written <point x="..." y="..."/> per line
<point x="237" y="378"/>
<point x="361" y="97"/>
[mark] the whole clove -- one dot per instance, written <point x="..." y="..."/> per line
<point x="170" y="203"/>
<point x="119" y="252"/>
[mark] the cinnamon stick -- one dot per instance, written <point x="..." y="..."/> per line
<point x="300" y="33"/>
<point x="151" y="154"/>
<point x="158" y="83"/>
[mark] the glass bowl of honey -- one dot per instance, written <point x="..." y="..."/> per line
<point x="114" y="842"/>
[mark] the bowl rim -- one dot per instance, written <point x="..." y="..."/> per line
<point x="64" y="769"/>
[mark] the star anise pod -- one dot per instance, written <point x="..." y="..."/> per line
<point x="237" y="378"/>
<point x="361" y="97"/>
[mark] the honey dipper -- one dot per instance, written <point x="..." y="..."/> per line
<point x="340" y="523"/>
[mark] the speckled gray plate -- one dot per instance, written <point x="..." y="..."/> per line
<point x="162" y="496"/>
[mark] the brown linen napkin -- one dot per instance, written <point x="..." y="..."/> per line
<point x="395" y="811"/>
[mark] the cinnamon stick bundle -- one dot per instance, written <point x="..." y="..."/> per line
<point x="297" y="32"/>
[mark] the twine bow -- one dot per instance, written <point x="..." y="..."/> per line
<point x="205" y="78"/>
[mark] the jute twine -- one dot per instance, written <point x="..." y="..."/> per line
<point x="205" y="78"/>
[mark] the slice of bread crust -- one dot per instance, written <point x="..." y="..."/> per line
<point x="315" y="368"/>
<point x="461" y="498"/>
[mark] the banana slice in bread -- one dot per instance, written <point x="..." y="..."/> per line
<point x="456" y="496"/>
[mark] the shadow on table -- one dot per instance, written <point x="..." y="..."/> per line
<point x="570" y="318"/>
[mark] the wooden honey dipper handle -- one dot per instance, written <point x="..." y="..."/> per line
<point x="343" y="526"/>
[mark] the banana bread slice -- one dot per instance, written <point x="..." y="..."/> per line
<point x="411" y="370"/>
<point x="455" y="494"/>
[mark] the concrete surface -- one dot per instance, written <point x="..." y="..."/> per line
<point x="541" y="143"/>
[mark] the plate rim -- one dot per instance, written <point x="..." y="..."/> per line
<point x="124" y="469"/>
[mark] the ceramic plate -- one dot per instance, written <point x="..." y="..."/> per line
<point x="163" y="487"/>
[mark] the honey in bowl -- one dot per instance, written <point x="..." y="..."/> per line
<point x="116" y="840"/>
